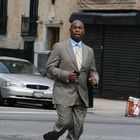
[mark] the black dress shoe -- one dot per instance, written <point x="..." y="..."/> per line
<point x="50" y="136"/>
<point x="45" y="136"/>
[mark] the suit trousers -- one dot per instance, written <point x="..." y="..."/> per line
<point x="70" y="118"/>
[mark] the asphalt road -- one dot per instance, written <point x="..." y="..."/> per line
<point x="29" y="123"/>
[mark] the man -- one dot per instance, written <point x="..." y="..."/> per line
<point x="70" y="88"/>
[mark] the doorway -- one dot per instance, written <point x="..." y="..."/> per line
<point x="53" y="36"/>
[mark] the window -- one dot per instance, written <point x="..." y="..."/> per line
<point x="28" y="24"/>
<point x="33" y="8"/>
<point x="3" y="17"/>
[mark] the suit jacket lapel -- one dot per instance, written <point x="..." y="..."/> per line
<point x="71" y="54"/>
<point x="84" y="55"/>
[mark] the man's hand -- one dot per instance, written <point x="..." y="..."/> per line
<point x="93" y="80"/>
<point x="73" y="76"/>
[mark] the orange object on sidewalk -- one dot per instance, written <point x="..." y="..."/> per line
<point x="130" y="107"/>
<point x="133" y="107"/>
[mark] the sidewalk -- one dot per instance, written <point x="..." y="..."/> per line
<point x="108" y="107"/>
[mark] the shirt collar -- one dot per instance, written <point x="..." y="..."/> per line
<point x="74" y="43"/>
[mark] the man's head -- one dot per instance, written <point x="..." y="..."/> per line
<point x="77" y="30"/>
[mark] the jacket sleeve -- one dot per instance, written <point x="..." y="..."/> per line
<point x="53" y="63"/>
<point x="93" y="70"/>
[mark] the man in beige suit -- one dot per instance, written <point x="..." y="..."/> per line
<point x="70" y="88"/>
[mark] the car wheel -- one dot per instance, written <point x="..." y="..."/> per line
<point x="1" y="100"/>
<point x="11" y="102"/>
<point x="48" y="105"/>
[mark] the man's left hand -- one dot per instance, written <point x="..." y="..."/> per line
<point x="93" y="80"/>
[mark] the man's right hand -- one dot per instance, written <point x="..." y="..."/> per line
<point x="72" y="76"/>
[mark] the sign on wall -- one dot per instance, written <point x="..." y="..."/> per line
<point x="107" y="4"/>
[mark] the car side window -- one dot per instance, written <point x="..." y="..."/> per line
<point x="3" y="69"/>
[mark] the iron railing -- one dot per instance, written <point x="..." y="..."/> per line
<point x="28" y="26"/>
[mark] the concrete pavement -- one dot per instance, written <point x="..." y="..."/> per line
<point x="108" y="107"/>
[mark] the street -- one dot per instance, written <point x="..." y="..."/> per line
<point x="30" y="122"/>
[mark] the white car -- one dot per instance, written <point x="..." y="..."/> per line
<point x="20" y="81"/>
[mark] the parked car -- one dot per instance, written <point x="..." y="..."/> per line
<point x="20" y="81"/>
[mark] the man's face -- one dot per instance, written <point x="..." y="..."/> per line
<point x="77" y="31"/>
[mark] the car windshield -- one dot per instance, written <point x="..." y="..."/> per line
<point x="18" y="67"/>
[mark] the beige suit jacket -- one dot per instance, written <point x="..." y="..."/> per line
<point x="60" y="62"/>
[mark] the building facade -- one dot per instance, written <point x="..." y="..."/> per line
<point x="29" y="28"/>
